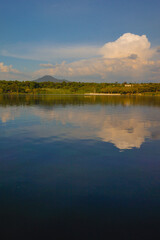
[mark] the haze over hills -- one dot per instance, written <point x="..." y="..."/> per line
<point x="48" y="78"/>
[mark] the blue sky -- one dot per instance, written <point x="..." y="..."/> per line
<point x="59" y="32"/>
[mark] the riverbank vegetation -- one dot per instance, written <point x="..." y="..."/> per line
<point x="31" y="87"/>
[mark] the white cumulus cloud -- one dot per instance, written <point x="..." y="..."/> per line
<point x="127" y="45"/>
<point x="7" y="69"/>
<point x="128" y="57"/>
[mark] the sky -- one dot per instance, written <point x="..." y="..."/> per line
<point x="91" y="40"/>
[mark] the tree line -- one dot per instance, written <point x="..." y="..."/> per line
<point x="77" y="87"/>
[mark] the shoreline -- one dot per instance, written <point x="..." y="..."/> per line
<point x="103" y="94"/>
<point x="89" y="94"/>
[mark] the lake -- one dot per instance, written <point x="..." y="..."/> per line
<point x="79" y="167"/>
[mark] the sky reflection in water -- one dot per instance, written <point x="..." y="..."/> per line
<point x="126" y="126"/>
<point x="79" y="167"/>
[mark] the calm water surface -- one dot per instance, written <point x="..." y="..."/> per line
<point x="74" y="167"/>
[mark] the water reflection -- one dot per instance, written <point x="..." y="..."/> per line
<point x="127" y="123"/>
<point x="8" y="114"/>
<point x="64" y="100"/>
<point x="64" y="167"/>
<point x="125" y="131"/>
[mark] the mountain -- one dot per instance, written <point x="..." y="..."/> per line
<point x="48" y="78"/>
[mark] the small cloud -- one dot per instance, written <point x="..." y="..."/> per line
<point x="7" y="72"/>
<point x="133" y="56"/>
<point x="158" y="49"/>
<point x="7" y="69"/>
<point x="46" y="65"/>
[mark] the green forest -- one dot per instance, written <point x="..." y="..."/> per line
<point x="30" y="87"/>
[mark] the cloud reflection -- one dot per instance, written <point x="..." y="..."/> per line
<point x="125" y="131"/>
<point x="126" y="127"/>
<point x="7" y="114"/>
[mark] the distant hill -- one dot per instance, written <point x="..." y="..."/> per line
<point x="48" y="78"/>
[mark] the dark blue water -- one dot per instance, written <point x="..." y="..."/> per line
<point x="74" y="167"/>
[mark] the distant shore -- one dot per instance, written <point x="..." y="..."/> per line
<point x="154" y="94"/>
<point x="101" y="94"/>
<point x="80" y="88"/>
<point x="124" y="94"/>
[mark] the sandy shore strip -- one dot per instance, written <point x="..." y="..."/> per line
<point x="101" y="94"/>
